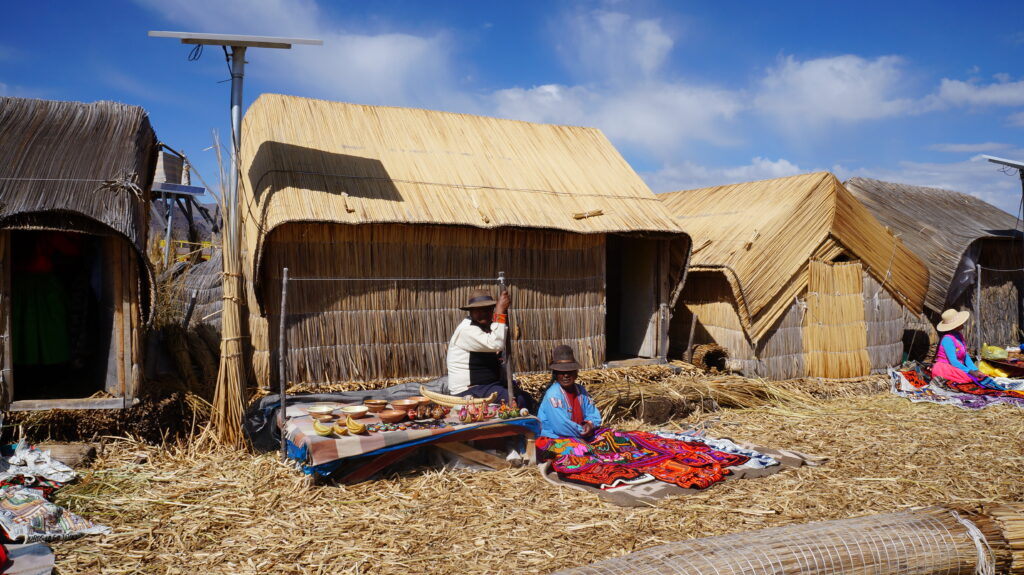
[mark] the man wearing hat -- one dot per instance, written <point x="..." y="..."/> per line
<point x="474" y="365"/>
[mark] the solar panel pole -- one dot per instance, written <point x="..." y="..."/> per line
<point x="237" y="77"/>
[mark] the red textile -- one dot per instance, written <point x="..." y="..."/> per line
<point x="575" y="409"/>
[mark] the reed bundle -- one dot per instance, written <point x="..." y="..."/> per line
<point x="1010" y="520"/>
<point x="344" y="325"/>
<point x="914" y="213"/>
<point x="835" y="334"/>
<point x="927" y="541"/>
<point x="229" y="511"/>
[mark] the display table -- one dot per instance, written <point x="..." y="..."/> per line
<point x="324" y="455"/>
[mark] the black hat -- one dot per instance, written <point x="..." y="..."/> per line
<point x="563" y="359"/>
<point x="479" y="298"/>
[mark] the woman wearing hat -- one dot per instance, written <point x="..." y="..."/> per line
<point x="952" y="362"/>
<point x="581" y="451"/>
<point x="566" y="409"/>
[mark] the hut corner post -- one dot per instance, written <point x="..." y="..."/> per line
<point x="282" y="339"/>
<point x="977" y="307"/>
<point x="508" y="341"/>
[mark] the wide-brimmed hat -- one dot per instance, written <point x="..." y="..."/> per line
<point x="952" y="319"/>
<point x="479" y="298"/>
<point x="563" y="359"/>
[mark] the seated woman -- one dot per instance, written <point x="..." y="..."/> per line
<point x="952" y="362"/>
<point x="582" y="451"/>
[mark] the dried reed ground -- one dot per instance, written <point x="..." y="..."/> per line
<point x="188" y="510"/>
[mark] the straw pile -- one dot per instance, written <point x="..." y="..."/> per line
<point x="224" y="511"/>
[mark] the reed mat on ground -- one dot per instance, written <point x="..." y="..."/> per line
<point x="220" y="510"/>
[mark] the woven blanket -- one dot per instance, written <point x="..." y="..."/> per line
<point x="320" y="454"/>
<point x="26" y="516"/>
<point x="639" y="493"/>
<point x="915" y="385"/>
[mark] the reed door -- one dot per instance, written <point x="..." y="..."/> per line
<point x="835" y="332"/>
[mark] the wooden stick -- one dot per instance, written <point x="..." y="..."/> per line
<point x="282" y="348"/>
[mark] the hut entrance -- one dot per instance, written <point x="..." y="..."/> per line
<point x="835" y="331"/>
<point x="634" y="287"/>
<point x="61" y="314"/>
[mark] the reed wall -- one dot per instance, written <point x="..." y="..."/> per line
<point x="348" y="320"/>
<point x="835" y="333"/>
<point x="885" y="323"/>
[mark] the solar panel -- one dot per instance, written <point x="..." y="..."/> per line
<point x="234" y="39"/>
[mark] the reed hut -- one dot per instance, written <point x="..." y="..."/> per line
<point x="960" y="238"/>
<point x="795" y="278"/>
<point x="387" y="218"/>
<point x="75" y="283"/>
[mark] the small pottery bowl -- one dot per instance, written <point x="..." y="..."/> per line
<point x="420" y="400"/>
<point x="323" y="417"/>
<point x="354" y="411"/>
<point x="376" y="405"/>
<point x="404" y="404"/>
<point x="321" y="409"/>
<point x="391" y="415"/>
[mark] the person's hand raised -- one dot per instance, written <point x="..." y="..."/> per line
<point x="504" y="301"/>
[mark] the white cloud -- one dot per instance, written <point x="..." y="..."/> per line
<point x="960" y="93"/>
<point x="975" y="176"/>
<point x="613" y="47"/>
<point x="629" y="95"/>
<point x="689" y="176"/>
<point x="848" y="88"/>
<point x="1017" y="119"/>
<point x="385" y="68"/>
<point x="970" y="148"/>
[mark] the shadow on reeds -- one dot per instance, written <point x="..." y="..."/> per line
<point x="278" y="165"/>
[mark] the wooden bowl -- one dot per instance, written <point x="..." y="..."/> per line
<point x="354" y="411"/>
<point x="420" y="400"/>
<point x="321" y="409"/>
<point x="404" y="404"/>
<point x="375" y="405"/>
<point x="391" y="415"/>
<point x="323" y="417"/>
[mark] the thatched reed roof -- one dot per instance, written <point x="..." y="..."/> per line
<point x="938" y="225"/>
<point x="761" y="236"/>
<point x="319" y="161"/>
<point x="70" y="165"/>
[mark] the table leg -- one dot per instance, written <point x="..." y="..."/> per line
<point x="531" y="449"/>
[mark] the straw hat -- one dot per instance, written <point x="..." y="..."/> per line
<point x="952" y="319"/>
<point x="479" y="298"/>
<point x="563" y="359"/>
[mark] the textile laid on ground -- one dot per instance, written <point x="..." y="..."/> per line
<point x="915" y="383"/>
<point x="33" y="468"/>
<point x="323" y="454"/>
<point x="26" y="516"/>
<point x="760" y="462"/>
<point x="612" y="458"/>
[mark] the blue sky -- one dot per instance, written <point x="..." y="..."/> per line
<point x="692" y="93"/>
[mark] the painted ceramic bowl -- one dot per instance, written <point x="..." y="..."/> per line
<point x="321" y="408"/>
<point x="391" y="415"/>
<point x="355" y="411"/>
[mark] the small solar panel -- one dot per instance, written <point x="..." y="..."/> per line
<point x="182" y="189"/>
<point x="1005" y="162"/>
<point x="234" y="39"/>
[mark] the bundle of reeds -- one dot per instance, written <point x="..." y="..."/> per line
<point x="1010" y="519"/>
<point x="926" y="541"/>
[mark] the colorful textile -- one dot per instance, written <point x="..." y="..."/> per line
<point x="612" y="458"/>
<point x="756" y="459"/>
<point x="906" y="383"/>
<point x="26" y="516"/>
<point x="33" y="468"/>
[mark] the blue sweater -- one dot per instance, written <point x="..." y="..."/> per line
<point x="556" y="416"/>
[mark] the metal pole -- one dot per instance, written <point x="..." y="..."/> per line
<point x="191" y="307"/>
<point x="282" y="365"/>
<point x="237" y="77"/>
<point x="508" y="343"/>
<point x="169" y="214"/>
<point x="977" y="307"/>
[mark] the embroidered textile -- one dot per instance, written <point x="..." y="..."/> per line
<point x="612" y="458"/>
<point x="28" y="517"/>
